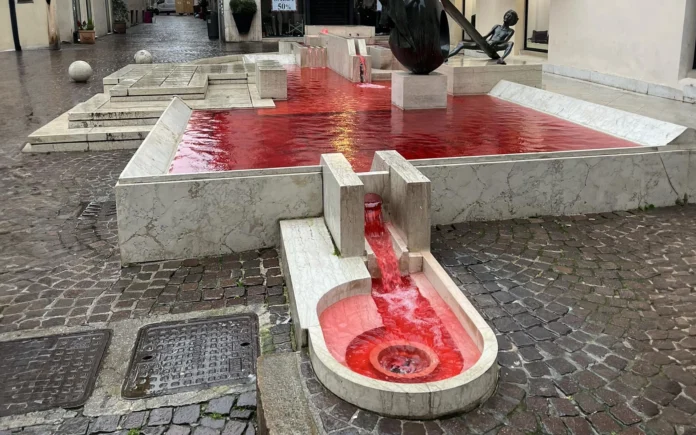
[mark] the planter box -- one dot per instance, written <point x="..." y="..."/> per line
<point x="86" y="36"/>
<point x="119" y="27"/>
<point x="243" y="22"/>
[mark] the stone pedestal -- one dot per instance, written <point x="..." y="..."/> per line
<point x="272" y="81"/>
<point x="412" y="92"/>
<point x="471" y="76"/>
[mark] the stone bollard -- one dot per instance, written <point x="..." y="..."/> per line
<point x="143" y="56"/>
<point x="80" y="71"/>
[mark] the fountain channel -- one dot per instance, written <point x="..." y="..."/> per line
<point x="386" y="328"/>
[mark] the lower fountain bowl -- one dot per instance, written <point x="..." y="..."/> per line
<point x="404" y="360"/>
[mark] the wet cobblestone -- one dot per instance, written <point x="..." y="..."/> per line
<point x="594" y="317"/>
<point x="198" y="419"/>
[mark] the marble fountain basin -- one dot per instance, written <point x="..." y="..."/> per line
<point x="393" y="397"/>
<point x="334" y="299"/>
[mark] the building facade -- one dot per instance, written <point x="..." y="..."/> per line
<point x="32" y="20"/>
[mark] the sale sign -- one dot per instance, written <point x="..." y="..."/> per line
<point x="284" y="5"/>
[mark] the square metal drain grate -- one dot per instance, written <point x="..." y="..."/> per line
<point x="174" y="357"/>
<point x="49" y="372"/>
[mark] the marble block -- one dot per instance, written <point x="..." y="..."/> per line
<point x="344" y="209"/>
<point x="272" y="82"/>
<point x="381" y="57"/>
<point x="472" y="190"/>
<point x="630" y="126"/>
<point x="409" y="199"/>
<point x="412" y="92"/>
<point x="467" y="76"/>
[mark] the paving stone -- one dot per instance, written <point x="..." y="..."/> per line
<point x="247" y="400"/>
<point x="577" y="425"/>
<point x="181" y="430"/>
<point x="213" y="423"/>
<point x="564" y="407"/>
<point x="625" y="415"/>
<point x="234" y="428"/>
<point x="603" y="423"/>
<point x="553" y="426"/>
<point x="186" y="414"/>
<point x="244" y="414"/>
<point x="587" y="403"/>
<point x="645" y="407"/>
<point x="220" y="405"/>
<point x="542" y="387"/>
<point x="202" y="430"/>
<point x="133" y="420"/>
<point x="389" y="426"/>
<point x="365" y="420"/>
<point x="160" y="416"/>
<point x="74" y="426"/>
<point x="105" y="423"/>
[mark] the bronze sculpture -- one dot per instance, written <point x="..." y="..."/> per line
<point x="497" y="39"/>
<point x="420" y="36"/>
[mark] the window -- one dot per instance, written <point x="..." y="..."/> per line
<point x="283" y="17"/>
<point x="24" y="1"/>
<point x="537" y="25"/>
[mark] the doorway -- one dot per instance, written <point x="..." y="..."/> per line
<point x="536" y="19"/>
<point x="329" y="12"/>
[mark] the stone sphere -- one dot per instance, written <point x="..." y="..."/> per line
<point x="80" y="71"/>
<point x="143" y="56"/>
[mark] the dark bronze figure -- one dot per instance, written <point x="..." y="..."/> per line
<point x="420" y="36"/>
<point x="498" y="38"/>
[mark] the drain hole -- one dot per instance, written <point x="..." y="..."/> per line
<point x="147" y="357"/>
<point x="245" y="344"/>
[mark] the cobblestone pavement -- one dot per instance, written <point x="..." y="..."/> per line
<point x="227" y="415"/>
<point x="59" y="262"/>
<point x="596" y="322"/>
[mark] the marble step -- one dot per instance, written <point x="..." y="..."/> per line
<point x="58" y="136"/>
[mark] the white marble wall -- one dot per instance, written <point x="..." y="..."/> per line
<point x="473" y="76"/>
<point x="157" y="150"/>
<point x="344" y="209"/>
<point x="202" y="217"/>
<point x="409" y="198"/>
<point x="520" y="188"/>
<point x="342" y="57"/>
<point x="630" y="126"/>
<point x="415" y="92"/>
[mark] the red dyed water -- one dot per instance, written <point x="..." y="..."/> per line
<point x="407" y="318"/>
<point x="326" y="113"/>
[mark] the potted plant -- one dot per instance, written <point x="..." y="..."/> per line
<point x="120" y="16"/>
<point x="243" y="12"/>
<point x="86" y="31"/>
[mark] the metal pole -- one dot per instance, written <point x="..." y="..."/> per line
<point x="13" y="22"/>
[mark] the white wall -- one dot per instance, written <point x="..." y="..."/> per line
<point x="640" y="39"/>
<point x="491" y="12"/>
<point x="686" y="62"/>
<point x="32" y="22"/>
<point x="538" y="15"/>
<point x="231" y="34"/>
<point x="454" y="29"/>
<point x="64" y="14"/>
<point x="6" y="42"/>
<point x="99" y="16"/>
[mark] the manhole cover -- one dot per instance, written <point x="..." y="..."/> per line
<point x="49" y="372"/>
<point x="182" y="356"/>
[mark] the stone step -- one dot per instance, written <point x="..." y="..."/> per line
<point x="58" y="136"/>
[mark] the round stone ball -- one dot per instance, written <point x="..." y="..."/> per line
<point x="143" y="56"/>
<point x="80" y="71"/>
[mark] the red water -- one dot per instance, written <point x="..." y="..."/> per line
<point x="326" y="113"/>
<point x="406" y="316"/>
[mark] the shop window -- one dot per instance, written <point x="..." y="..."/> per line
<point x="25" y="1"/>
<point x="537" y="25"/>
<point x="282" y="17"/>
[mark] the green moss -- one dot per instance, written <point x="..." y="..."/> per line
<point x="266" y="340"/>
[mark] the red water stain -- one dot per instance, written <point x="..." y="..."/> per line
<point x="326" y="113"/>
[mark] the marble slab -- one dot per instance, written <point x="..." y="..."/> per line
<point x="498" y="190"/>
<point x="467" y="76"/>
<point x="630" y="126"/>
<point x="343" y="58"/>
<point x="408" y="199"/>
<point x="344" y="204"/>
<point x="312" y="269"/>
<point x="415" y="92"/>
<point x="199" y="218"/>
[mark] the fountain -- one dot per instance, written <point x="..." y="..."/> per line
<point x="386" y="328"/>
